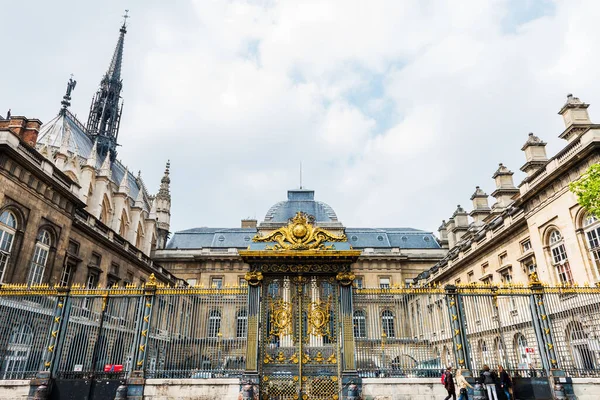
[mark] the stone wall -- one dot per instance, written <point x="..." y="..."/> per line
<point x="192" y="389"/>
<point x="586" y="388"/>
<point x="14" y="390"/>
<point x="403" y="389"/>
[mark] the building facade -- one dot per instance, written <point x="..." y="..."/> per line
<point x="536" y="226"/>
<point x="70" y="212"/>
<point x="210" y="257"/>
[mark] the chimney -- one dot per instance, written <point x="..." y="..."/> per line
<point x="461" y="223"/>
<point x="575" y="116"/>
<point x="505" y="188"/>
<point x="450" y="230"/>
<point x="26" y="129"/>
<point x="443" y="235"/>
<point x="481" y="208"/>
<point x="535" y="154"/>
<point x="249" y="223"/>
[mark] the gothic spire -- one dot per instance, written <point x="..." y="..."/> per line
<point x="165" y="182"/>
<point x="106" y="108"/>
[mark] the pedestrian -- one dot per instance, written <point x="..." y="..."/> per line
<point x="449" y="384"/>
<point x="462" y="384"/>
<point x="488" y="378"/>
<point x="505" y="381"/>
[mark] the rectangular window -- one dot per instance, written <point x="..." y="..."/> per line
<point x="358" y="282"/>
<point x="73" y="248"/>
<point x="216" y="283"/>
<point x="507" y="276"/>
<point x="470" y="276"/>
<point x="502" y="259"/>
<point x="457" y="281"/>
<point x="484" y="268"/>
<point x="242" y="282"/>
<point x="65" y="278"/>
<point x="114" y="269"/>
<point x="192" y="282"/>
<point x="526" y="246"/>
<point x="95" y="260"/>
<point x="384" y="283"/>
<point x="92" y="281"/>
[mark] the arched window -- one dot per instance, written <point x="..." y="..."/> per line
<point x="591" y="227"/>
<point x="105" y="211"/>
<point x="521" y="349"/>
<point x="8" y="227"/>
<point x="214" y="323"/>
<point x="40" y="258"/>
<point x="387" y="321"/>
<point x="559" y="257"/>
<point x="360" y="324"/>
<point x="499" y="348"/>
<point x="17" y="352"/>
<point x="583" y="357"/>
<point x="139" y="241"/>
<point x="124" y="224"/>
<point x="242" y="324"/>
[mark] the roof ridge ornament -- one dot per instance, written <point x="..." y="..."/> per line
<point x="301" y="234"/>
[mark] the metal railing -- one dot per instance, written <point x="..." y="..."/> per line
<point x="196" y="332"/>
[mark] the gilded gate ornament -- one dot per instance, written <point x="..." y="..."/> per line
<point x="281" y="318"/>
<point x="300" y="234"/>
<point x="345" y="278"/>
<point x="253" y="278"/>
<point x="318" y="318"/>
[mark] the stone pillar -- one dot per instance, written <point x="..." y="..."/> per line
<point x="254" y="280"/>
<point x="459" y="340"/>
<point x="351" y="382"/>
<point x="41" y="386"/>
<point x="136" y="379"/>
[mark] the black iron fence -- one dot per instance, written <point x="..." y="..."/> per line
<point x="202" y="333"/>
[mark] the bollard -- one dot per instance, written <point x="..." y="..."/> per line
<point x="121" y="392"/>
<point x="559" y="392"/>
<point x="353" y="392"/>
<point x="247" y="392"/>
<point x="41" y="393"/>
<point x="479" y="392"/>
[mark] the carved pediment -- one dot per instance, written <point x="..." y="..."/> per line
<point x="300" y="234"/>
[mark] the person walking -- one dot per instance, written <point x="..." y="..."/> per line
<point x="488" y="378"/>
<point x="462" y="384"/>
<point x="505" y="381"/>
<point x="449" y="384"/>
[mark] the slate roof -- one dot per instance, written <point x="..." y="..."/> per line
<point x="66" y="127"/>
<point x="300" y="200"/>
<point x="358" y="238"/>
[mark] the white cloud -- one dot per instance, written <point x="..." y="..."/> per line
<point x="397" y="109"/>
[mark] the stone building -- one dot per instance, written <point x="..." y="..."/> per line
<point x="210" y="256"/>
<point x="535" y="226"/>
<point x="70" y="212"/>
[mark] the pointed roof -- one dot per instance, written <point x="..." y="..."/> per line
<point x="165" y="182"/>
<point x="114" y="69"/>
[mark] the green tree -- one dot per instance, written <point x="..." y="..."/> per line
<point x="587" y="189"/>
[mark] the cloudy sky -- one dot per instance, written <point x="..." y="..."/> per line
<point x="396" y="109"/>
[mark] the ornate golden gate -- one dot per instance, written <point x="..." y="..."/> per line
<point x="299" y="349"/>
<point x="300" y="340"/>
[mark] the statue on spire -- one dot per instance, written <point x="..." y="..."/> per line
<point x="104" y="119"/>
<point x="66" y="101"/>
